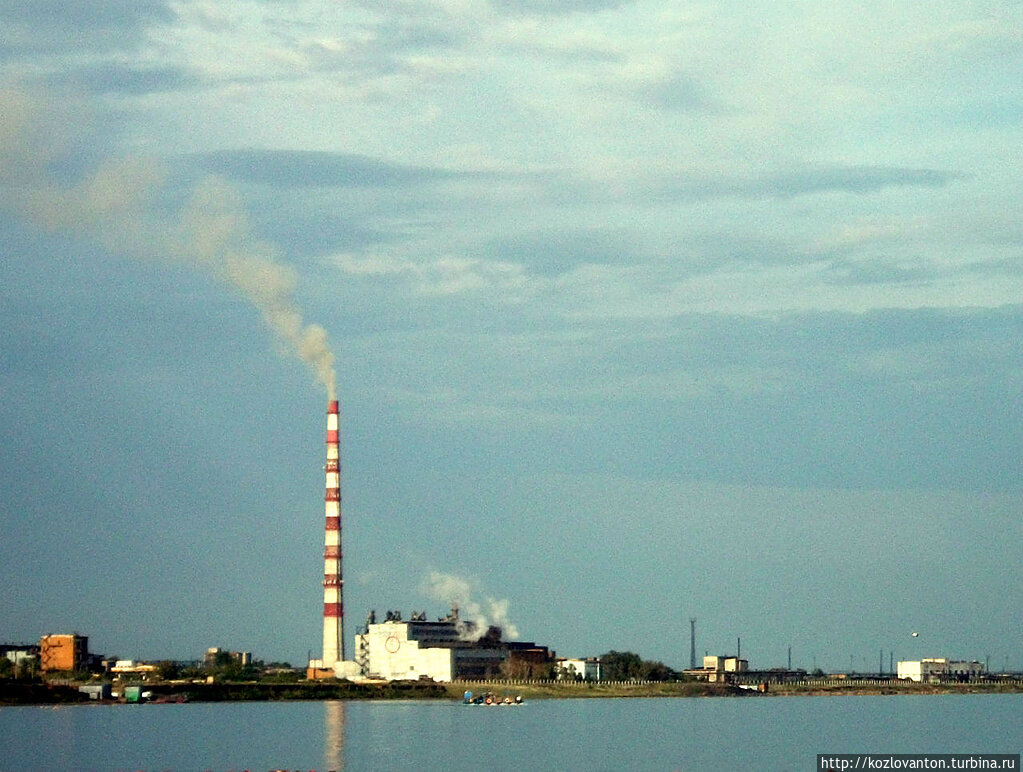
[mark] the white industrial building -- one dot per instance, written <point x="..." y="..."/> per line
<point x="585" y="669"/>
<point x="445" y="650"/>
<point x="940" y="668"/>
<point x="725" y="664"/>
<point x="717" y="668"/>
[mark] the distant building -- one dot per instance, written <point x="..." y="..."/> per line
<point x="64" y="652"/>
<point x="445" y="650"/>
<point x="130" y="666"/>
<point x="940" y="668"/>
<point x="586" y="669"/>
<point x="725" y="664"/>
<point x="19" y="654"/>
<point x="216" y="656"/>
<point x="719" y="668"/>
<point x="102" y="691"/>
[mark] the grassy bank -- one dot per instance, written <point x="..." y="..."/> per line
<point x="852" y="688"/>
<point x="701" y="689"/>
<point x="38" y="693"/>
<point x="555" y="690"/>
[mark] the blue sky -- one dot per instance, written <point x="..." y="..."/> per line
<point x="638" y="312"/>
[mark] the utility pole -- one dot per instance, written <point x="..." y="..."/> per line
<point x="790" y="658"/>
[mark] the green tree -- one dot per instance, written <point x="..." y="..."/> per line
<point x="628" y="666"/>
<point x="167" y="670"/>
<point x="620" y="666"/>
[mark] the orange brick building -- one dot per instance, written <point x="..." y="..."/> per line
<point x="63" y="652"/>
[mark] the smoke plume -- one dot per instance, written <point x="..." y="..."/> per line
<point x="126" y="205"/>
<point x="458" y="591"/>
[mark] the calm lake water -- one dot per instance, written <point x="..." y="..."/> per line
<point x="763" y="733"/>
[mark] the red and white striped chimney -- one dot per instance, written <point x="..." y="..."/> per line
<point x="333" y="606"/>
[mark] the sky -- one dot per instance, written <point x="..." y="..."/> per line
<point x="638" y="312"/>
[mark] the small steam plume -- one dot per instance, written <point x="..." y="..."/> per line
<point x="458" y="591"/>
<point x="122" y="205"/>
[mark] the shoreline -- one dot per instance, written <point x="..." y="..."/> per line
<point x="684" y="689"/>
<point x="39" y="694"/>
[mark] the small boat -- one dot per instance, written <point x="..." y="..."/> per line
<point x="490" y="699"/>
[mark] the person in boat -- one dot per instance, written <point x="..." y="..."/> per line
<point x="467" y="697"/>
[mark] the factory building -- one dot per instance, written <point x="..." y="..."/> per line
<point x="725" y="664"/>
<point x="445" y="650"/>
<point x="717" y="668"/>
<point x="940" y="668"/>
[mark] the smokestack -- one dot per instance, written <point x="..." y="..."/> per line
<point x="692" y="643"/>
<point x="333" y="606"/>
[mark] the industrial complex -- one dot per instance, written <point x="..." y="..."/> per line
<point x="445" y="649"/>
<point x="395" y="649"/>
<point x="333" y="662"/>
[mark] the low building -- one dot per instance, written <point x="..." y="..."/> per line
<point x="445" y="650"/>
<point x="725" y="664"/>
<point x="64" y="652"/>
<point x="131" y="667"/>
<point x="19" y="654"/>
<point x="718" y="668"/>
<point x="101" y="691"/>
<point x="940" y="669"/>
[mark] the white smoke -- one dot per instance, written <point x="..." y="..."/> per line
<point x="482" y="614"/>
<point x="122" y="205"/>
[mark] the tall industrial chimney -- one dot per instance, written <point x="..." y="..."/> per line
<point x="333" y="606"/>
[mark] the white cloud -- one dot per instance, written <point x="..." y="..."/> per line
<point x="445" y="275"/>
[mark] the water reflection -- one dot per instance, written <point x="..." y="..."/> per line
<point x="334" y="734"/>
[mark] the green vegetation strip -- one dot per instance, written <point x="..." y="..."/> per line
<point x="39" y="693"/>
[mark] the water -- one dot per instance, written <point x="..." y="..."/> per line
<point x="763" y="733"/>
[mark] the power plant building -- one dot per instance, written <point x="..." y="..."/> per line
<point x="445" y="650"/>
